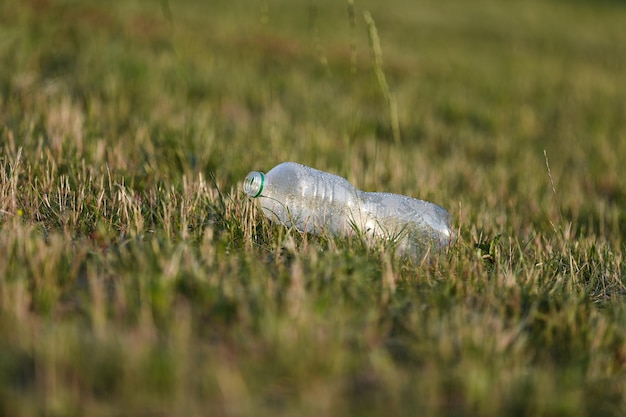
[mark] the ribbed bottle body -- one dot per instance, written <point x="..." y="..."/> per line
<point x="310" y="200"/>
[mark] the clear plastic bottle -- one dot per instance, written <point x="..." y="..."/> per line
<point x="319" y="202"/>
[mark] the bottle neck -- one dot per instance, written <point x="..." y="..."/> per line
<point x="254" y="183"/>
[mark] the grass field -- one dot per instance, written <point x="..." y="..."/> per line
<point x="136" y="278"/>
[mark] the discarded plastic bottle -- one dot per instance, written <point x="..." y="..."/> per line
<point x="322" y="203"/>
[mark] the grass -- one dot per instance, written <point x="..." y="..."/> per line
<point x="136" y="278"/>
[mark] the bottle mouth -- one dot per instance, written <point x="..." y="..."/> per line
<point x="253" y="184"/>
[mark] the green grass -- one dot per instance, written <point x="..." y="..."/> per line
<point x="136" y="278"/>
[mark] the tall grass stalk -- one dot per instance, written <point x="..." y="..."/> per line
<point x="377" y="53"/>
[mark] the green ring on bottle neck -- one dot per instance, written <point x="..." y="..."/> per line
<point x="261" y="186"/>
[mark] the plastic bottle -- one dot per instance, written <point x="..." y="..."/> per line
<point x="322" y="203"/>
